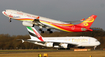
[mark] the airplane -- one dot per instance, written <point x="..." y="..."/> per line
<point x="42" y="22"/>
<point x="60" y="42"/>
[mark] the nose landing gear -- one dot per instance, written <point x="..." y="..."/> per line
<point x="10" y="20"/>
<point x="95" y="47"/>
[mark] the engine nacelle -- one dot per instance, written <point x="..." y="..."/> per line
<point x="56" y="46"/>
<point x="27" y="24"/>
<point x="63" y="45"/>
<point x="49" y="44"/>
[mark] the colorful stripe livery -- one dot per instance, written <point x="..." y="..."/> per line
<point x="82" y="27"/>
<point x="88" y="22"/>
<point x="33" y="32"/>
<point x="24" y="19"/>
<point x="67" y="27"/>
<point x="63" y="27"/>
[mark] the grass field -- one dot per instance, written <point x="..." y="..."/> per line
<point x="51" y="53"/>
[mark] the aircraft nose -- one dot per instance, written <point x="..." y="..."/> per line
<point x="4" y="12"/>
<point x="98" y="43"/>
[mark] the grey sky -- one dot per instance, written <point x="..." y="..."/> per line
<point x="64" y="10"/>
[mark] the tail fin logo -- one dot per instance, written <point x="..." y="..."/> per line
<point x="33" y="32"/>
<point x="86" y="24"/>
<point x="89" y="20"/>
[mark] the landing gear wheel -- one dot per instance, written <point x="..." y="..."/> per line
<point x="33" y="25"/>
<point x="10" y="20"/>
<point x="95" y="47"/>
<point x="50" y="31"/>
<point x="42" y="31"/>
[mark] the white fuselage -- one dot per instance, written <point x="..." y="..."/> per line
<point x="20" y="14"/>
<point x="79" y="41"/>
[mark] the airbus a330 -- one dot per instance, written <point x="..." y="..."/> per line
<point x="42" y="22"/>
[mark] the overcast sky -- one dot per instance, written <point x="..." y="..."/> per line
<point x="64" y="10"/>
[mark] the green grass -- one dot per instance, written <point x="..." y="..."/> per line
<point x="26" y="50"/>
<point x="51" y="53"/>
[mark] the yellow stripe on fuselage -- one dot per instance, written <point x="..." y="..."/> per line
<point x="25" y="19"/>
<point x="58" y="24"/>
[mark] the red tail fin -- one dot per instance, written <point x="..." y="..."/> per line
<point x="88" y="22"/>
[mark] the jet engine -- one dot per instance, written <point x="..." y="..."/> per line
<point x="64" y="46"/>
<point x="57" y="46"/>
<point x="27" y="24"/>
<point x="49" y="44"/>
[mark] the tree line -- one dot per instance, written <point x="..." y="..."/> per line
<point x="12" y="42"/>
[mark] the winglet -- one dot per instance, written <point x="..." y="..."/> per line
<point x="37" y="17"/>
<point x="82" y="19"/>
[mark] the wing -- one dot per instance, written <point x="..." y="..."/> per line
<point x="49" y="24"/>
<point x="75" y="21"/>
<point x="40" y="23"/>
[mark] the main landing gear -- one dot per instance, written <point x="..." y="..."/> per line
<point x="47" y="30"/>
<point x="41" y="30"/>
